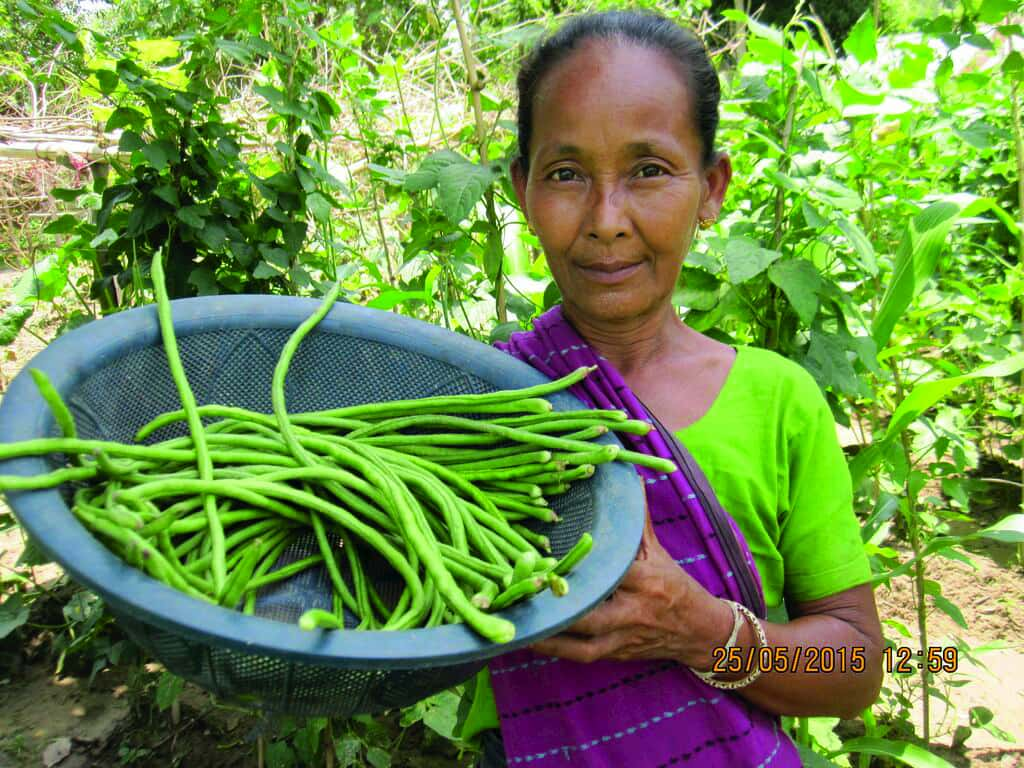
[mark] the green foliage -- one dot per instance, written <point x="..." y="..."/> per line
<point x="871" y="233"/>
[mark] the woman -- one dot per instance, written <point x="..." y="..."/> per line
<point x="617" y="170"/>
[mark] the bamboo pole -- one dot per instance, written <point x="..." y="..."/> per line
<point x="56" y="150"/>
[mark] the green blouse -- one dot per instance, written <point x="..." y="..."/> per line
<point x="769" y="449"/>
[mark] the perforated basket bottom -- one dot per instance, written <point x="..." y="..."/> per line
<point x="330" y="370"/>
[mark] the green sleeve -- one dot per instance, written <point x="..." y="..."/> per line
<point x="819" y="535"/>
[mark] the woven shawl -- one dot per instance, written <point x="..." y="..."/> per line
<point x="611" y="714"/>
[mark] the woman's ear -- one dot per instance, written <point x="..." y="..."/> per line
<point x="717" y="177"/>
<point x="519" y="184"/>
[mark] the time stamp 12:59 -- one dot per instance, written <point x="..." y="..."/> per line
<point x="902" y="660"/>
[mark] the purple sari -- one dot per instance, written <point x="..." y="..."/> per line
<point x="627" y="714"/>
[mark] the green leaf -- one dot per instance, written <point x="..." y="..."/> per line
<point x="503" y="332"/>
<point x="205" y="281"/>
<point x="107" y="80"/>
<point x="811" y="759"/>
<point x="442" y="717"/>
<point x="951" y="610"/>
<point x="319" y="206"/>
<point x="237" y="51"/>
<point x="213" y="236"/>
<point x="696" y="289"/>
<point x="994" y="11"/>
<point x="924" y="396"/>
<point x="68" y="195"/>
<point x="459" y="187"/>
<point x="425" y="177"/>
<point x="280" y="755"/>
<point x="62" y="225"/>
<point x="33" y="555"/>
<point x="276" y="256"/>
<point x="982" y="717"/>
<point x="901" y="751"/>
<point x="916" y="258"/>
<point x="835" y="194"/>
<point x="745" y="259"/>
<point x="347" y="751"/>
<point x="1009" y="530"/>
<point x="265" y="271"/>
<point x="378" y="758"/>
<point x="168" y="688"/>
<point x="106" y="237"/>
<point x="391" y="299"/>
<point x="828" y="363"/>
<point x="12" y="321"/>
<point x="13" y="614"/>
<point x="156" y="51"/>
<point x="861" y="41"/>
<point x="160" y="153"/>
<point x="126" y="117"/>
<point x="191" y="215"/>
<point x="168" y="194"/>
<point x="307" y="740"/>
<point x="800" y="281"/>
<point x="392" y="176"/>
<point x="130" y="141"/>
<point x="861" y="245"/>
<point x="494" y="253"/>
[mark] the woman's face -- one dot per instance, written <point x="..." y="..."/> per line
<point x="616" y="185"/>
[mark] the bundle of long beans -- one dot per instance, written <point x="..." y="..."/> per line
<point x="448" y="505"/>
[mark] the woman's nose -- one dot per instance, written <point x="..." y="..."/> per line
<point x="609" y="218"/>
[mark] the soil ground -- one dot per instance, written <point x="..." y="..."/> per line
<point x="62" y="720"/>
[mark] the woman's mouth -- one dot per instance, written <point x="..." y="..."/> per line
<point x="610" y="273"/>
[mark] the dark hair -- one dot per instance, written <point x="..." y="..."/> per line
<point x="646" y="29"/>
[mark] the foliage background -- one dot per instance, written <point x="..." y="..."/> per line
<point x="872" y="232"/>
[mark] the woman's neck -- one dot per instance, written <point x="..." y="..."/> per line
<point x="633" y="344"/>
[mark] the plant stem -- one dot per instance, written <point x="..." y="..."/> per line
<point x="1018" y="141"/>
<point x="914" y="536"/>
<point x="475" y="86"/>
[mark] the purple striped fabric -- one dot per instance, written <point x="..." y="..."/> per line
<point x="629" y="714"/>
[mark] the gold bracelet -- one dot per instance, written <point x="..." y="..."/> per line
<point x="762" y="642"/>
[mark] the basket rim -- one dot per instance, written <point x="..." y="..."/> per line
<point x="617" y="524"/>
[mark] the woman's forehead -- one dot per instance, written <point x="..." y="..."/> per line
<point x="612" y="68"/>
<point x="611" y="94"/>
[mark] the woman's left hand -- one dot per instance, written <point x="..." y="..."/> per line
<point x="658" y="612"/>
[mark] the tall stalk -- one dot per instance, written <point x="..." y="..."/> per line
<point x="1018" y="141"/>
<point x="914" y="535"/>
<point x="475" y="86"/>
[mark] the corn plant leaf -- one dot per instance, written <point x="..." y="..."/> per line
<point x="1009" y="530"/>
<point x="924" y="396"/>
<point x="861" y="245"/>
<point x="900" y="751"/>
<point x="916" y="257"/>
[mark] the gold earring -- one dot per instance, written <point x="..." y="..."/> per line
<point x="707" y="222"/>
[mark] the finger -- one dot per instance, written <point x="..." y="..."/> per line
<point x="648" y="533"/>
<point x="582" y="649"/>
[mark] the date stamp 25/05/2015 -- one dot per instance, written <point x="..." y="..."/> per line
<point x="826" y="660"/>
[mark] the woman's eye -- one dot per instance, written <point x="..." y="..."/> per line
<point x="651" y="171"/>
<point x="563" y="174"/>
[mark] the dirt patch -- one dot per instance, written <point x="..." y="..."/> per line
<point x="991" y="599"/>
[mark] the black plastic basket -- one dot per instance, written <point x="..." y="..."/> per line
<point x="114" y="376"/>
